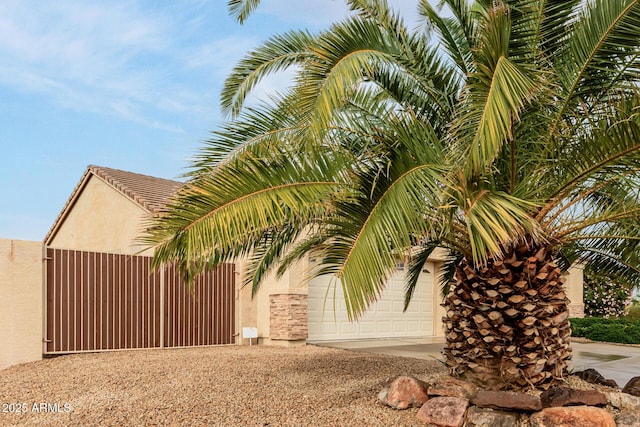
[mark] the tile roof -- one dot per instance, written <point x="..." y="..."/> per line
<point x="148" y="191"/>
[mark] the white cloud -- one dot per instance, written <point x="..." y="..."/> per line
<point x="98" y="56"/>
<point x="219" y="56"/>
<point x="159" y="57"/>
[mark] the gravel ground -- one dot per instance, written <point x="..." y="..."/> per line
<point x="220" y="386"/>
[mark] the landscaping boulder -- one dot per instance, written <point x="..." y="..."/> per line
<point x="632" y="387"/>
<point x="628" y="419"/>
<point x="594" y="377"/>
<point x="404" y="392"/>
<point x="623" y="401"/>
<point x="563" y="396"/>
<point x="452" y="387"/>
<point x="507" y="400"/>
<point x="572" y="416"/>
<point x="484" y="417"/>
<point x="444" y="411"/>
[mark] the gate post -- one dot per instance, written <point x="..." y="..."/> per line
<point x="162" y="271"/>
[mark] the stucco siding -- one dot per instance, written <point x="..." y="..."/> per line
<point x="20" y="302"/>
<point x="101" y="219"/>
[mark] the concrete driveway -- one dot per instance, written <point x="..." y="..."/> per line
<point x="617" y="362"/>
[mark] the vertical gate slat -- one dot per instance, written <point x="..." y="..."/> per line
<point x="58" y="301"/>
<point x="210" y="317"/>
<point x="157" y="283"/>
<point x="225" y="308"/>
<point x="78" y="301"/>
<point x="216" y="309"/>
<point x="87" y="314"/>
<point x="228" y="307"/>
<point x="220" y="309"/>
<point x="64" y="296"/>
<point x="224" y="323"/>
<point x="124" y="303"/>
<point x="135" y="327"/>
<point x="113" y="294"/>
<point x="128" y="305"/>
<point x="51" y="306"/>
<point x="153" y="305"/>
<point x="140" y="324"/>
<point x="102" y="279"/>
<point x="168" y="308"/>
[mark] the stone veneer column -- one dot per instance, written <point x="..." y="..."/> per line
<point x="288" y="317"/>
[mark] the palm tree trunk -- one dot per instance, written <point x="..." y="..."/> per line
<point x="506" y="323"/>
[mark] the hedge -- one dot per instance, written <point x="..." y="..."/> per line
<point x="618" y="330"/>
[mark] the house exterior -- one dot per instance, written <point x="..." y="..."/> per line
<point x="106" y="210"/>
<point x="106" y="213"/>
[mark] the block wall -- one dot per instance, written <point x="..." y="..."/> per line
<point x="20" y="302"/>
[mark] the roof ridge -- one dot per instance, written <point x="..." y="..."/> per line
<point x="97" y="168"/>
<point x="129" y="184"/>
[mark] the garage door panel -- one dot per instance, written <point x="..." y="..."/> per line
<point x="383" y="307"/>
<point x="328" y="319"/>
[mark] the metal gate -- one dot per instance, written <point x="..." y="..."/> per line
<point x="100" y="301"/>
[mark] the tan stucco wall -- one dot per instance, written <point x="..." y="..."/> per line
<point x="20" y="302"/>
<point x="575" y="290"/>
<point x="102" y="220"/>
<point x="246" y="307"/>
<point x="255" y="312"/>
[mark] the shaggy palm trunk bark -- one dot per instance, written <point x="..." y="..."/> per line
<point x="506" y="323"/>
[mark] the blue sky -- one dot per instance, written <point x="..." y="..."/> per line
<point x="127" y="84"/>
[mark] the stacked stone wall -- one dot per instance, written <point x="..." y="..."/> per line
<point x="288" y="317"/>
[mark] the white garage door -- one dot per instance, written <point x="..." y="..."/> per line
<point x="328" y="320"/>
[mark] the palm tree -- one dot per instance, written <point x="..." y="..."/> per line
<point x="506" y="133"/>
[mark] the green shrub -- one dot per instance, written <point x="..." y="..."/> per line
<point x="618" y="330"/>
<point x="604" y="332"/>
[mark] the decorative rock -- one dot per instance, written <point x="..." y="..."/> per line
<point x="573" y="416"/>
<point x="507" y="400"/>
<point x="632" y="387"/>
<point x="594" y="377"/>
<point x="403" y="392"/>
<point x="628" y="419"/>
<point x="563" y="396"/>
<point x="479" y="417"/>
<point x="623" y="401"/>
<point x="444" y="411"/>
<point x="452" y="387"/>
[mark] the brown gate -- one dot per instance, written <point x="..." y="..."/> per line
<point x="99" y="301"/>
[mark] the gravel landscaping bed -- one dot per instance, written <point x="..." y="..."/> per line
<point x="228" y="386"/>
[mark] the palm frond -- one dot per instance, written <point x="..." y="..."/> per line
<point x="496" y="221"/>
<point x="602" y="40"/>
<point x="496" y="93"/>
<point x="416" y="268"/>
<point x="452" y="34"/>
<point x="241" y="9"/>
<point x="610" y="152"/>
<point x="223" y="214"/>
<point x="279" y="53"/>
